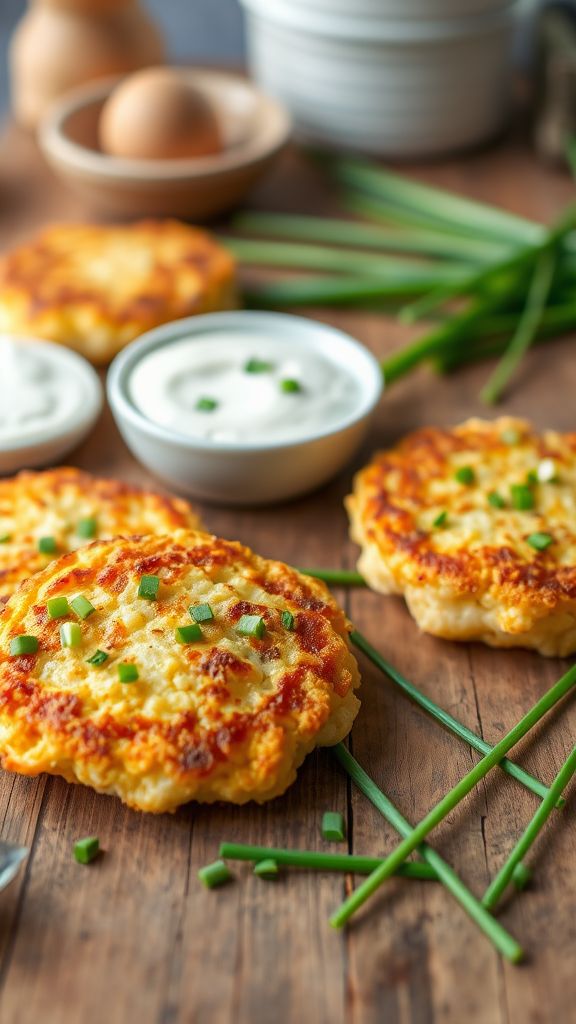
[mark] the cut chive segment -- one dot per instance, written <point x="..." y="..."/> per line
<point x="496" y="500"/>
<point x="82" y="606"/>
<point x="215" y="874"/>
<point x="522" y="497"/>
<point x="251" y="625"/>
<point x="201" y="612"/>
<point x="287" y="620"/>
<point x="47" y="545"/>
<point x="24" y="644"/>
<point x="465" y="475"/>
<point x="148" y="587"/>
<point x="188" y="634"/>
<point x="206" y="404"/>
<point x="333" y="827"/>
<point x="57" y="607"/>
<point x="336" y="577"/>
<point x="267" y="869"/>
<point x="70" y="634"/>
<point x="290" y="386"/>
<point x="258" y="366"/>
<point x="87" y="528"/>
<point x="440" y="519"/>
<point x="98" y="658"/>
<point x="5" y="538"/>
<point x="321" y="861"/>
<point x="86" y="850"/>
<point x="451" y="800"/>
<point x="540" y="541"/>
<point x="127" y="673"/>
<point x="521" y="876"/>
<point x="510" y="436"/>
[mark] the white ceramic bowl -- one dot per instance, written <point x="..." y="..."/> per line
<point x="426" y="10"/>
<point x="236" y="473"/>
<point x="383" y="86"/>
<point x="41" y="444"/>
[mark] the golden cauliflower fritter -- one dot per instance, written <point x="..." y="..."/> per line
<point x="476" y="527"/>
<point x="61" y="509"/>
<point x="224" y="708"/>
<point x="95" y="287"/>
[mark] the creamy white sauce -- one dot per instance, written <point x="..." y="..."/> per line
<point x="251" y="408"/>
<point x="41" y="392"/>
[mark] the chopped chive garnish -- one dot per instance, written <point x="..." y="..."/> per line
<point x="333" y="827"/>
<point x="127" y="673"/>
<point x="522" y="497"/>
<point x="531" y="477"/>
<point x="258" y="366"/>
<point x="201" y="612"/>
<point x="87" y="528"/>
<point x="82" y="606"/>
<point x="47" y="545"/>
<point x="5" y="538"/>
<point x="188" y="634"/>
<point x="148" y="587"/>
<point x="57" y="607"/>
<point x="266" y="869"/>
<point x="540" y="541"/>
<point x="287" y="620"/>
<point x="251" y="625"/>
<point x="496" y="500"/>
<point x="206" y="404"/>
<point x="465" y="475"/>
<point x="440" y="519"/>
<point x="546" y="472"/>
<point x="86" y="850"/>
<point x="290" y="386"/>
<point x="98" y="658"/>
<point x="23" y="645"/>
<point x="510" y="436"/>
<point x="521" y="876"/>
<point x="321" y="861"/>
<point x="214" y="874"/>
<point x="70" y="634"/>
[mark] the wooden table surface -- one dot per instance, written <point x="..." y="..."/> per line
<point x="135" y="937"/>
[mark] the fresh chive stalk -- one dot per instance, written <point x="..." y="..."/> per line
<point x="504" y="876"/>
<point x="500" y="938"/>
<point x="354" y="864"/>
<point x="347" y="290"/>
<point x="444" y="718"/>
<point x="453" y="798"/>
<point x="336" y="577"/>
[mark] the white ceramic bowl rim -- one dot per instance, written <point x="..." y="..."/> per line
<point x="77" y="422"/>
<point x="279" y="325"/>
<point x="52" y="135"/>
<point x="373" y="29"/>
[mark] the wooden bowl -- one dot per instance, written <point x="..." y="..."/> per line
<point x="254" y="128"/>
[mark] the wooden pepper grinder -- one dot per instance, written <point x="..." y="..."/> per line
<point x="60" y="44"/>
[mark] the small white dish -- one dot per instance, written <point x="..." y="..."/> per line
<point x="239" y="473"/>
<point x="58" y="400"/>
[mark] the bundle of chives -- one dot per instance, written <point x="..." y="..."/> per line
<point x="453" y="798"/>
<point x="321" y="861"/>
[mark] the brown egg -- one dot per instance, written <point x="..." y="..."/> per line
<point x="157" y="115"/>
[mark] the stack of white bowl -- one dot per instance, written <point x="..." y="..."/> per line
<point x="400" y="78"/>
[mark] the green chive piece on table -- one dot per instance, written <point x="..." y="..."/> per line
<point x="521" y="876"/>
<point x="82" y="606"/>
<point x="201" y="612"/>
<point x="539" y="819"/>
<point x="24" y="644"/>
<point x="496" y="500"/>
<point x="251" y="625"/>
<point x="87" y="528"/>
<point x="47" y="545"/>
<point x="494" y="931"/>
<point x="465" y="475"/>
<point x="451" y="800"/>
<point x="333" y="827"/>
<point x="127" y="673"/>
<point x="255" y="365"/>
<point x="98" y="658"/>
<point x="290" y="386"/>
<point x="315" y="861"/>
<point x="336" y="577"/>
<point x="188" y="634"/>
<point x="287" y="620"/>
<point x="206" y="404"/>
<point x="86" y="850"/>
<point x="440" y="519"/>
<point x="58" y="607"/>
<point x="445" y="719"/>
<point x="148" y="587"/>
<point x="215" y="874"/>
<point x="267" y="869"/>
<point x="522" y="497"/>
<point x="540" y="541"/>
<point x="70" y="634"/>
